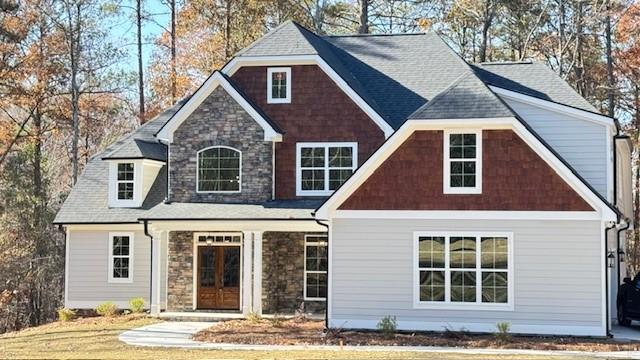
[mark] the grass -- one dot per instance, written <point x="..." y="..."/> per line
<point x="97" y="338"/>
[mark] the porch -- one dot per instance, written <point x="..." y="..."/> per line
<point x="227" y="269"/>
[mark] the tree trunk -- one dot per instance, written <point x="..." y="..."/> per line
<point x="486" y="25"/>
<point x="610" y="80"/>
<point x="561" y="35"/>
<point x="227" y="30"/>
<point x="579" y="66"/>
<point x="74" y="52"/>
<point x="141" y="115"/>
<point x="364" y="17"/>
<point x="174" y="90"/>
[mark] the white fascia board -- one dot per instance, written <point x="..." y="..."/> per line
<point x="237" y="225"/>
<point x="467" y="215"/>
<point x="553" y="106"/>
<point x="166" y="133"/>
<point x="327" y="210"/>
<point x="239" y="62"/>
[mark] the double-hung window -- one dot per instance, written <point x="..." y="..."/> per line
<point x="462" y="162"/>
<point x="463" y="269"/>
<point x="278" y="85"/>
<point x="315" y="267"/>
<point x="323" y="167"/>
<point x="120" y="257"/>
<point x="125" y="181"/>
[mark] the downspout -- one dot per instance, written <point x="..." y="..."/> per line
<point x="146" y="232"/>
<point x="626" y="227"/>
<point x="326" y="310"/>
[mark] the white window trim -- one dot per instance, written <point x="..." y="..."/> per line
<point x="270" y="99"/>
<point x="129" y="279"/>
<point x="326" y="145"/>
<point x="132" y="181"/>
<point x="447" y="189"/>
<point x="113" y="184"/>
<point x="218" y="191"/>
<point x="447" y="304"/>
<point x="314" y="243"/>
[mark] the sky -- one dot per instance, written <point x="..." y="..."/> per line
<point x="124" y="33"/>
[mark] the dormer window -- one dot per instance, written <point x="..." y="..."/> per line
<point x="279" y="85"/>
<point x="125" y="181"/>
<point x="219" y="170"/>
<point x="462" y="162"/>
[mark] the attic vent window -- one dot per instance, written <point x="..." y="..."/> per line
<point x="279" y="85"/>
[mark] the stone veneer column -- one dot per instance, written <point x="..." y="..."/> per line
<point x="180" y="271"/>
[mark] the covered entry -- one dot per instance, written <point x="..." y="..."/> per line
<point x="218" y="270"/>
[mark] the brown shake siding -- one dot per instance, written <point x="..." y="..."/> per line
<point x="514" y="178"/>
<point x="319" y="112"/>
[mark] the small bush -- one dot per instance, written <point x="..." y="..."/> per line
<point x="387" y="326"/>
<point x="136" y="305"/>
<point x="504" y="328"/>
<point x="65" y="314"/>
<point x="254" y="317"/>
<point x="107" y="309"/>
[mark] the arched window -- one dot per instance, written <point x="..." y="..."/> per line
<point x="219" y="169"/>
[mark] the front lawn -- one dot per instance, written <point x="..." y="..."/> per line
<point x="97" y="338"/>
<point x="292" y="332"/>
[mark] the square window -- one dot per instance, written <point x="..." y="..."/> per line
<point x="323" y="167"/>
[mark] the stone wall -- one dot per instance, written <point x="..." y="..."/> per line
<point x="180" y="271"/>
<point x="220" y="120"/>
<point x="283" y="274"/>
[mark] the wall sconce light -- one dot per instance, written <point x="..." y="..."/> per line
<point x="611" y="259"/>
<point x="621" y="255"/>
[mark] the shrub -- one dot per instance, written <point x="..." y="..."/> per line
<point x="503" y="331"/>
<point x="136" y="305"/>
<point x="387" y="326"/>
<point x="254" y="317"/>
<point x="107" y="309"/>
<point x="65" y="314"/>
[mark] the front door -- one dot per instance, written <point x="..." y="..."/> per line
<point x="218" y="277"/>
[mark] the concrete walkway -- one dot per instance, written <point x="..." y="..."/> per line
<point x="179" y="334"/>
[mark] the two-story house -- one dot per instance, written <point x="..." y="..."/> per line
<point x="364" y="175"/>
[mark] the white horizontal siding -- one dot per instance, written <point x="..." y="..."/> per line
<point x="88" y="270"/>
<point x="557" y="276"/>
<point x="582" y="143"/>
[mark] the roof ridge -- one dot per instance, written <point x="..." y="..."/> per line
<point x="372" y="35"/>
<point x="268" y="35"/>
<point x="520" y="62"/>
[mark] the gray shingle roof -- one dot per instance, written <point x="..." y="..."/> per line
<point x="142" y="142"/>
<point x="281" y="209"/>
<point x="533" y="79"/>
<point x="467" y="97"/>
<point x="413" y="76"/>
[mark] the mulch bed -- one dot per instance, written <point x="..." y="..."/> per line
<point x="311" y="332"/>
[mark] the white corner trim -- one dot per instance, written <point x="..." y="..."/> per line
<point x="467" y="215"/>
<point x="166" y="133"/>
<point x="198" y="191"/>
<point x="326" y="211"/>
<point x="553" y="106"/>
<point x="66" y="265"/>
<point x="446" y="180"/>
<point x="447" y="304"/>
<point x="238" y="62"/>
<point x="326" y="168"/>
<point x="270" y="98"/>
<point x="129" y="279"/>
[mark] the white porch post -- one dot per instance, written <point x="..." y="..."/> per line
<point x="247" y="265"/>
<point x="154" y="307"/>
<point x="257" y="272"/>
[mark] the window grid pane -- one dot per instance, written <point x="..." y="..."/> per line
<point x="279" y="85"/>
<point x="120" y="257"/>
<point x="325" y="168"/>
<point x="462" y="173"/>
<point x="316" y="263"/>
<point x="475" y="270"/>
<point x="219" y="170"/>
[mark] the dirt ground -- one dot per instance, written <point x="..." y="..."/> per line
<point x="292" y="332"/>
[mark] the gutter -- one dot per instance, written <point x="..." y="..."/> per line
<point x="146" y="232"/>
<point x="326" y="308"/>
